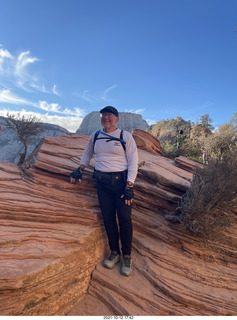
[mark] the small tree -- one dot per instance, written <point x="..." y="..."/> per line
<point x="26" y="130"/>
<point x="206" y="121"/>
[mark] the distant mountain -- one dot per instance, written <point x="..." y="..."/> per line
<point x="11" y="146"/>
<point x="127" y="121"/>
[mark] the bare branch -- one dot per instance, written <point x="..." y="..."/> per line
<point x="25" y="128"/>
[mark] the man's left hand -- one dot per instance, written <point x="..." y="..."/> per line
<point x="128" y="195"/>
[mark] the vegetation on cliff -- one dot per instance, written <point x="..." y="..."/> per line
<point x="180" y="137"/>
<point x="202" y="208"/>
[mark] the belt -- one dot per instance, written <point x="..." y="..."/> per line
<point x="110" y="176"/>
<point x="113" y="173"/>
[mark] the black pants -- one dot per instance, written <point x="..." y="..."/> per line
<point x="109" y="195"/>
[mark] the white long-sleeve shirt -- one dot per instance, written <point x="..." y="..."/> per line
<point x="110" y="155"/>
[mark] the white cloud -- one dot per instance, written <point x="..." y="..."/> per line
<point x="4" y="54"/>
<point x="6" y="96"/>
<point x="16" y="70"/>
<point x="151" y="121"/>
<point x="23" y="60"/>
<point x="5" y="64"/>
<point x="70" y="123"/>
<point x="87" y="96"/>
<point x="19" y="71"/>
<point x="38" y="87"/>
<point x="24" y="79"/>
<point x="53" y="107"/>
<point x="96" y="97"/>
<point x="104" y="96"/>
<point x="55" y="91"/>
<point x="67" y="118"/>
<point x="79" y="112"/>
<point x="56" y="108"/>
<point x="137" y="111"/>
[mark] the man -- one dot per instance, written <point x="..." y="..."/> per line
<point x="116" y="164"/>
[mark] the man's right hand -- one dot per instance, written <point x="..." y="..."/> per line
<point x="76" y="175"/>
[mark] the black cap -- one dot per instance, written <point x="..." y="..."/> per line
<point x="110" y="109"/>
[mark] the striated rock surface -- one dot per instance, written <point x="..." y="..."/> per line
<point x="146" y="141"/>
<point x="187" y="164"/>
<point x="127" y="121"/>
<point x="53" y="241"/>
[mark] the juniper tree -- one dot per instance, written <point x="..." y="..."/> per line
<point x="26" y="130"/>
<point x="206" y="121"/>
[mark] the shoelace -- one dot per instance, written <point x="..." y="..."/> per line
<point x="113" y="256"/>
<point x="127" y="262"/>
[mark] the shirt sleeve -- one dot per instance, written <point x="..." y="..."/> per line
<point x="88" y="152"/>
<point x="132" y="157"/>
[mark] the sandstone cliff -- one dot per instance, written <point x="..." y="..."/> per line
<point x="127" y="121"/>
<point x="53" y="241"/>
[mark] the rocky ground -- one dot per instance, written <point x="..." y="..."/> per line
<point x="53" y="241"/>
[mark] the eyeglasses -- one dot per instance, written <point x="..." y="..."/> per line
<point x="106" y="114"/>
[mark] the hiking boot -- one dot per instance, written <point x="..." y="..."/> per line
<point x="111" y="261"/>
<point x="126" y="267"/>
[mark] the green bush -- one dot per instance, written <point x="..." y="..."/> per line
<point x="170" y="150"/>
<point x="191" y="150"/>
<point x="187" y="149"/>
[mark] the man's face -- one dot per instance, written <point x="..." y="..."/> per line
<point x="109" y="120"/>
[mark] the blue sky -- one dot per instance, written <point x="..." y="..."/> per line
<point x="62" y="59"/>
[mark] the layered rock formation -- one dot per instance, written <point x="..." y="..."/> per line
<point x="53" y="241"/>
<point x="127" y="121"/>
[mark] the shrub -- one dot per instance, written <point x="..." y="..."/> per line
<point x="170" y="150"/>
<point x="191" y="150"/>
<point x="200" y="210"/>
<point x="187" y="149"/>
<point x="223" y="141"/>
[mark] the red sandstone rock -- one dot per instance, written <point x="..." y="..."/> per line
<point x="187" y="164"/>
<point x="53" y="241"/>
<point x="146" y="141"/>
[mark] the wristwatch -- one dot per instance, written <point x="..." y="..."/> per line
<point x="130" y="184"/>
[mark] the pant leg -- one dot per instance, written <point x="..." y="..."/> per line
<point x="125" y="224"/>
<point x="106" y="196"/>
